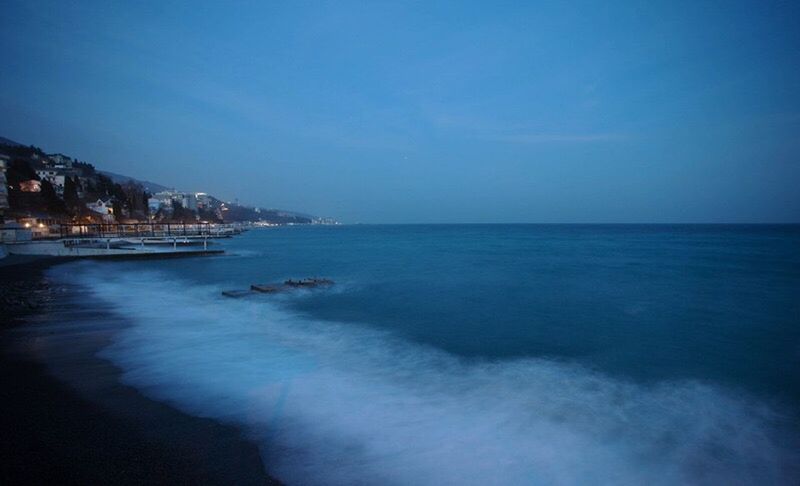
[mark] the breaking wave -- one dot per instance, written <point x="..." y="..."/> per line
<point x="340" y="403"/>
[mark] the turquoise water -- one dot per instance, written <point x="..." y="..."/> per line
<point x="514" y="354"/>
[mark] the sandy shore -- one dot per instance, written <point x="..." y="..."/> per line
<point x="52" y="433"/>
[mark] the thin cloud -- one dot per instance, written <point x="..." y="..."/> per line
<point x="559" y="138"/>
<point x="497" y="131"/>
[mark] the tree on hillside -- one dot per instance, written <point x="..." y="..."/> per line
<point x="18" y="171"/>
<point x="179" y="213"/>
<point x="207" y="215"/>
<point x="85" y="169"/>
<point x="20" y="151"/>
<point x="116" y="206"/>
<point x="71" y="199"/>
<point x="52" y="203"/>
<point x="136" y="199"/>
<point x="103" y="187"/>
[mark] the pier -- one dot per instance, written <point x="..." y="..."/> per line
<point x="143" y="230"/>
<point x="154" y="240"/>
<point x="88" y="247"/>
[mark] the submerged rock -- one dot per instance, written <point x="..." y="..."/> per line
<point x="306" y="283"/>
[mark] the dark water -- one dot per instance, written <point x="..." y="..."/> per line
<point x="484" y="353"/>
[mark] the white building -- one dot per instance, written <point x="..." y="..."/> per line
<point x="164" y="200"/>
<point x="105" y="208"/>
<point x="55" y="177"/>
<point x="203" y="200"/>
<point x="189" y="201"/>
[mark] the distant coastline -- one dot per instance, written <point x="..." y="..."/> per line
<point x="42" y="188"/>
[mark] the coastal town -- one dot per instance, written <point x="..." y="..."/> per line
<point x="46" y="196"/>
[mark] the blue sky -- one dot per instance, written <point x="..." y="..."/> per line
<point x="424" y="111"/>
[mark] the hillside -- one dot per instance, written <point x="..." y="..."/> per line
<point x="58" y="186"/>
<point x="10" y="143"/>
<point x="150" y="187"/>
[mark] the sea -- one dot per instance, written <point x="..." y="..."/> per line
<point x="473" y="354"/>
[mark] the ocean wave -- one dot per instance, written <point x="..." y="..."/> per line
<point x="340" y="403"/>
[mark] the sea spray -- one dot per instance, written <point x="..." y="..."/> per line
<point x="339" y="403"/>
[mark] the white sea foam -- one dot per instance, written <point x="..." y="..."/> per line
<point x="342" y="404"/>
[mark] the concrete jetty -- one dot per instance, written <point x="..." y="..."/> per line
<point x="306" y="283"/>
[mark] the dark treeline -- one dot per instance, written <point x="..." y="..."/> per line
<point x="82" y="184"/>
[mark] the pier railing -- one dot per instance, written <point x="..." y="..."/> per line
<point x="141" y="230"/>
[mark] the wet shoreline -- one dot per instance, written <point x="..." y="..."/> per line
<point x="53" y="432"/>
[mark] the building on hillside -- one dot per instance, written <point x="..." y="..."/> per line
<point x="56" y="178"/>
<point x="30" y="186"/>
<point x="203" y="200"/>
<point x="165" y="199"/>
<point x="55" y="169"/>
<point x="189" y="201"/>
<point x="59" y="161"/>
<point x="104" y="208"/>
<point x="161" y="201"/>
